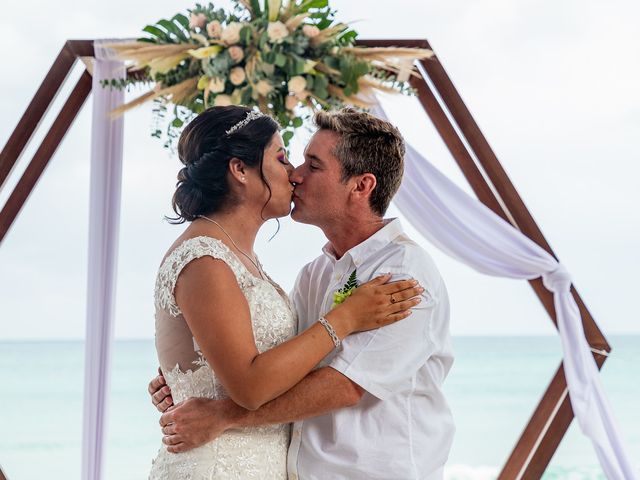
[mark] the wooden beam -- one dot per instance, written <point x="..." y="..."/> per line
<point x="501" y="183"/>
<point x="42" y="156"/>
<point x="80" y="48"/>
<point x="552" y="417"/>
<point x="540" y="439"/>
<point x="455" y="145"/>
<point x="36" y="110"/>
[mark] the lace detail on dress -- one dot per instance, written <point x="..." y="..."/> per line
<point x="186" y="252"/>
<point x="250" y="453"/>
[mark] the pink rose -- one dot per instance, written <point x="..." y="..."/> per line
<point x="214" y="29"/>
<point x="197" y="20"/>
<point x="236" y="53"/>
<point x="311" y="31"/>
<point x="263" y="87"/>
<point x="277" y="31"/>
<point x="237" y="76"/>
<point x="297" y="84"/>
<point x="290" y="102"/>
<point x="231" y="33"/>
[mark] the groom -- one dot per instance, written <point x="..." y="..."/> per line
<point x="374" y="408"/>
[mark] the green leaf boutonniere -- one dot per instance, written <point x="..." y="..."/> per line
<point x="342" y="294"/>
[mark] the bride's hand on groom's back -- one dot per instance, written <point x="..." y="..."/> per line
<point x="160" y="393"/>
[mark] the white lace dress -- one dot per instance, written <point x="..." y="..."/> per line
<point x="251" y="453"/>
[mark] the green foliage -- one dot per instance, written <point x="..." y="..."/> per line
<point x="346" y="291"/>
<point x="273" y="60"/>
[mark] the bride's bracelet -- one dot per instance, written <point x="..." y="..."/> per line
<point x="332" y="333"/>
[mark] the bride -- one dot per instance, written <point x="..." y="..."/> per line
<point x="223" y="327"/>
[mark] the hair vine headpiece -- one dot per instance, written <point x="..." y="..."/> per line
<point x="252" y="115"/>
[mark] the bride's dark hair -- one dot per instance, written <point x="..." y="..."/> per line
<point x="205" y="150"/>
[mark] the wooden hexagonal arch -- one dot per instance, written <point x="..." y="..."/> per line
<point x="469" y="148"/>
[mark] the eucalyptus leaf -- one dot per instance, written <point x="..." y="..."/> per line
<point x="245" y="35"/>
<point x="286" y="137"/>
<point x="280" y="60"/>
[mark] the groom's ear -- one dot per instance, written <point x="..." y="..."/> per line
<point x="364" y="184"/>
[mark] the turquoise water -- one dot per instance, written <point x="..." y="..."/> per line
<point x="493" y="387"/>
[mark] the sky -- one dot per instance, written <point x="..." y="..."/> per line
<point x="552" y="85"/>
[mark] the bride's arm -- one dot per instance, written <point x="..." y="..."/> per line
<point x="197" y="421"/>
<point x="219" y="318"/>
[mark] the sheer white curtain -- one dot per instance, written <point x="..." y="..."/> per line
<point x="104" y="222"/>
<point x="467" y="230"/>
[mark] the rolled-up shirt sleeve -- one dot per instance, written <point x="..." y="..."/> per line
<point x="384" y="361"/>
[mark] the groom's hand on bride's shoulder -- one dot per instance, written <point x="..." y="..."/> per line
<point x="196" y="421"/>
<point x="160" y="393"/>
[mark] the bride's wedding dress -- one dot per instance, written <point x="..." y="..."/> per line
<point x="251" y="453"/>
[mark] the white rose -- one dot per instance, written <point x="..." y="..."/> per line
<point x="290" y="102"/>
<point x="236" y="53"/>
<point x="277" y="31"/>
<point x="237" y="75"/>
<point x="222" y="101"/>
<point x="231" y="34"/>
<point x="297" y="84"/>
<point x="197" y="20"/>
<point x="216" y="85"/>
<point x="214" y="29"/>
<point x="310" y="31"/>
<point x="263" y="87"/>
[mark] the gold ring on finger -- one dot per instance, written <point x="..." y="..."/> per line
<point x="393" y="300"/>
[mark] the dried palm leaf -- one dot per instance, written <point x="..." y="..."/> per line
<point x="295" y="22"/>
<point x="247" y="4"/>
<point x="175" y="93"/>
<point x="150" y="95"/>
<point x="356" y="100"/>
<point x="327" y="34"/>
<point x="388" y="52"/>
<point x="286" y="10"/>
<point x="368" y="83"/>
<point x="324" y="68"/>
<point x="403" y="72"/>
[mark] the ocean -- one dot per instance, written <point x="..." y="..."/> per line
<point x="493" y="388"/>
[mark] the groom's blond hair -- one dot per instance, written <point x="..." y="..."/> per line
<point x="367" y="144"/>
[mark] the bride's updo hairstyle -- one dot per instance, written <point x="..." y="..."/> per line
<point x="205" y="149"/>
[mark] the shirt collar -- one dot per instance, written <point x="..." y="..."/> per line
<point x="371" y="245"/>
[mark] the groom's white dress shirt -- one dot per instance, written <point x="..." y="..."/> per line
<point x="402" y="427"/>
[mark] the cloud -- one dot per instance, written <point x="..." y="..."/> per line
<point x="552" y="86"/>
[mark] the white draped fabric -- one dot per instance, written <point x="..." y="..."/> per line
<point x="444" y="214"/>
<point x="467" y="230"/>
<point x="104" y="221"/>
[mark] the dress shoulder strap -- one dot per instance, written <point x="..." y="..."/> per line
<point x="189" y="250"/>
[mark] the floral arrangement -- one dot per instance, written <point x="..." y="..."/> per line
<point x="285" y="58"/>
<point x="347" y="289"/>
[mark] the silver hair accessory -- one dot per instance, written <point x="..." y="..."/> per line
<point x="252" y="115"/>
